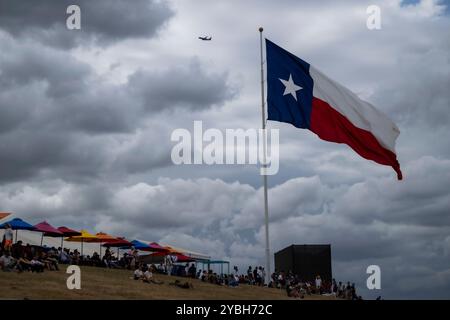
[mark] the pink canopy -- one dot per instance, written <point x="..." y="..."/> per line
<point x="69" y="232"/>
<point x="48" y="230"/>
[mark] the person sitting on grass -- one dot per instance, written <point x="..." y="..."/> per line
<point x="18" y="253"/>
<point x="185" y="285"/>
<point x="148" y="277"/>
<point x="75" y="258"/>
<point x="95" y="260"/>
<point x="7" y="262"/>
<point x="64" y="258"/>
<point x="233" y="280"/>
<point x="292" y="291"/>
<point x="138" y="274"/>
<point x="50" y="263"/>
<point x="36" y="265"/>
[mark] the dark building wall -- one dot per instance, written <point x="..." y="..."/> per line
<point x="306" y="261"/>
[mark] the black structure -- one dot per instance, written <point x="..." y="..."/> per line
<point x="307" y="261"/>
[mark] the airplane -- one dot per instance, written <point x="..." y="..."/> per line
<point x="205" y="38"/>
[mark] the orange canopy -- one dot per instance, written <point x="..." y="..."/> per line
<point x="4" y="215"/>
<point x="103" y="237"/>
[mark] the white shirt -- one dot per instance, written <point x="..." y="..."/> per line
<point x="9" y="234"/>
<point x="318" y="282"/>
<point x="138" y="273"/>
<point x="37" y="262"/>
<point x="148" y="274"/>
<point x="6" y="260"/>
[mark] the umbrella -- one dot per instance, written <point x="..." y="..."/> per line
<point x="102" y="238"/>
<point x="180" y="257"/>
<point x="139" y="245"/>
<point x="3" y="215"/>
<point x="47" y="230"/>
<point x="84" y="237"/>
<point x="17" y="224"/>
<point x="67" y="233"/>
<point x="156" y="247"/>
<point x="118" y="243"/>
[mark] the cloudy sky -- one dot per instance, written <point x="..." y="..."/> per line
<point x="86" y="117"/>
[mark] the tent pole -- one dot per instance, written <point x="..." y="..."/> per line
<point x="42" y="238"/>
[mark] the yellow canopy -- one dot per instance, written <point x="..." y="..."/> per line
<point x="84" y="237"/>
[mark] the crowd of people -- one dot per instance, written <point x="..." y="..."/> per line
<point x="20" y="258"/>
<point x="297" y="287"/>
<point x="294" y="285"/>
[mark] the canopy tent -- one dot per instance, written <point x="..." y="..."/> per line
<point x="3" y="215"/>
<point x="139" y="245"/>
<point x="84" y="237"/>
<point x="156" y="247"/>
<point x="170" y="249"/>
<point x="102" y="238"/>
<point x="17" y="224"/>
<point x="183" y="258"/>
<point x="212" y="262"/>
<point x="67" y="233"/>
<point x="118" y="243"/>
<point x="47" y="230"/>
<point x="180" y="257"/>
<point x="189" y="253"/>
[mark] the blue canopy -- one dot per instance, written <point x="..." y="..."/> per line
<point x="139" y="245"/>
<point x="17" y="224"/>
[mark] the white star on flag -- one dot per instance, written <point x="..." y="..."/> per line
<point x="290" y="87"/>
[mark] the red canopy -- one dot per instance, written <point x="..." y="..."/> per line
<point x="180" y="257"/>
<point x="183" y="258"/>
<point x="48" y="230"/>
<point x="118" y="243"/>
<point x="156" y="247"/>
<point x="69" y="232"/>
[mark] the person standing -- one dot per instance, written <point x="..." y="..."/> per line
<point x="318" y="284"/>
<point x="8" y="237"/>
<point x="168" y="264"/>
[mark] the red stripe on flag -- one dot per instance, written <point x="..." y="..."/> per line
<point x="332" y="126"/>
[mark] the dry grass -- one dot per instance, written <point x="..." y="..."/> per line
<point x="98" y="283"/>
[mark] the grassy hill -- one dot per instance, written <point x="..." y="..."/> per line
<point x="99" y="283"/>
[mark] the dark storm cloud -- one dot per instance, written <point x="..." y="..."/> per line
<point x="189" y="87"/>
<point x="60" y="118"/>
<point x="102" y="21"/>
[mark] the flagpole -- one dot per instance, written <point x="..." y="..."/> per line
<point x="266" y="206"/>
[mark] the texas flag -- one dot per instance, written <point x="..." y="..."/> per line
<point x="299" y="94"/>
